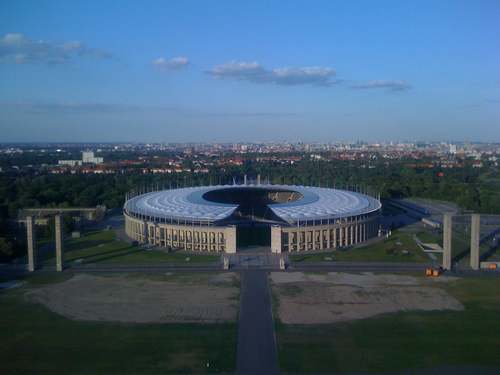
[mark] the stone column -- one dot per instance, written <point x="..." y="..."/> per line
<point x="276" y="239"/>
<point x="474" y="240"/>
<point x="447" y="228"/>
<point x="31" y="242"/>
<point x="59" y="243"/>
<point x="341" y="236"/>
<point x="335" y="237"/>
<point x="145" y="231"/>
<point x="231" y="239"/>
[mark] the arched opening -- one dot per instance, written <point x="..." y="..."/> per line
<point x="253" y="217"/>
<point x="250" y="235"/>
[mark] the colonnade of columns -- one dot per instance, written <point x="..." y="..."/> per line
<point x="185" y="237"/>
<point x="322" y="237"/>
<point x="32" y="244"/>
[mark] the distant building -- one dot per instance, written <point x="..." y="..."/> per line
<point x="89" y="158"/>
<point x="70" y="163"/>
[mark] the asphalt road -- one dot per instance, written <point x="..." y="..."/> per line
<point x="359" y="266"/>
<point x="256" y="351"/>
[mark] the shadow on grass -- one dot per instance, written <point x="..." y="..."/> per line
<point x="72" y="246"/>
<point x="487" y="254"/>
<point x="99" y="257"/>
<point x="463" y="254"/>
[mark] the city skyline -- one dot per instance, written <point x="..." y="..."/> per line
<point x="225" y="72"/>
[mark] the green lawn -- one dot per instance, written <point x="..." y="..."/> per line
<point x="34" y="340"/>
<point x="460" y="245"/>
<point x="103" y="247"/>
<point x="430" y="237"/>
<point x="389" y="250"/>
<point x="406" y="340"/>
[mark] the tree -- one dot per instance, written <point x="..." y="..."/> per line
<point x="6" y="248"/>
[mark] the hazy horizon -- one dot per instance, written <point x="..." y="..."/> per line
<point x="285" y="141"/>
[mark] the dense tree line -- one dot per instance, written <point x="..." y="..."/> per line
<point x="472" y="188"/>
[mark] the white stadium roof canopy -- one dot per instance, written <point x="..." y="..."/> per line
<point x="188" y="204"/>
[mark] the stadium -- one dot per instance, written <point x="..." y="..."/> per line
<point x="285" y="218"/>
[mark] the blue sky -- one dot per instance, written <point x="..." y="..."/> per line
<point x="182" y="71"/>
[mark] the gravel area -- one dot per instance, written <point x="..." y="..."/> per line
<point x="141" y="299"/>
<point x="336" y="297"/>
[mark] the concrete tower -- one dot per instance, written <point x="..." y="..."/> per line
<point x="447" y="228"/>
<point x="474" y="240"/>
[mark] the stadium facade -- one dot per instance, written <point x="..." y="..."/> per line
<point x="210" y="218"/>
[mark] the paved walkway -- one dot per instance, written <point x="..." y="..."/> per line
<point x="256" y="340"/>
<point x="240" y="261"/>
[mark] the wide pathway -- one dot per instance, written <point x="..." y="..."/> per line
<point x="244" y="261"/>
<point x="256" y="340"/>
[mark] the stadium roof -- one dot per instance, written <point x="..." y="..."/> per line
<point x="188" y="204"/>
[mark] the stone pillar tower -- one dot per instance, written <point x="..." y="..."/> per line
<point x="474" y="240"/>
<point x="276" y="239"/>
<point x="231" y="239"/>
<point x="447" y="228"/>
<point x="59" y="243"/>
<point x="31" y="243"/>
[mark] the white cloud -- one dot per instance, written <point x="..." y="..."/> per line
<point x="19" y="49"/>
<point x="391" y="85"/>
<point x="309" y="75"/>
<point x="256" y="73"/>
<point x="171" y="64"/>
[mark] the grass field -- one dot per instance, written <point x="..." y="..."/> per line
<point x="492" y="252"/>
<point x="388" y="250"/>
<point x="34" y="340"/>
<point x="430" y="237"/>
<point x="406" y="340"/>
<point x="103" y="247"/>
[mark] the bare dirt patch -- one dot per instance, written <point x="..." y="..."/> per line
<point x="335" y="296"/>
<point x="143" y="300"/>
